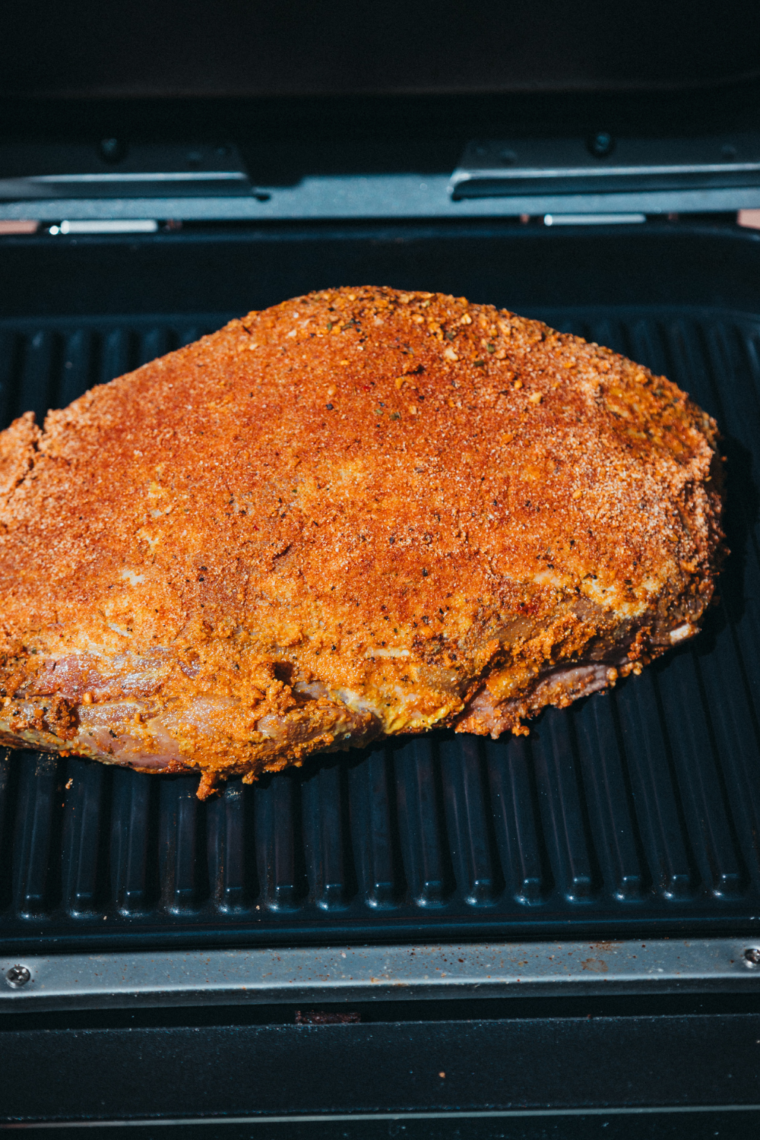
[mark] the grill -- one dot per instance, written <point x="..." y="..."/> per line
<point x="616" y="850"/>
<point x="637" y="811"/>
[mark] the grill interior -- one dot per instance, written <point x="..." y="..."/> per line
<point x="630" y="812"/>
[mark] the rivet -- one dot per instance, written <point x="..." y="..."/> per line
<point x="752" y="955"/>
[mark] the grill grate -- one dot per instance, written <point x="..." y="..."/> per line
<point x="632" y="812"/>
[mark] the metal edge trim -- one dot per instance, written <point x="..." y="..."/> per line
<point x="387" y="197"/>
<point x="346" y="1117"/>
<point x="371" y="973"/>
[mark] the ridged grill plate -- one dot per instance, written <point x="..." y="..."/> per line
<point x="630" y="813"/>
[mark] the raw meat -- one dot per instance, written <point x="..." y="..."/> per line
<point x="359" y="513"/>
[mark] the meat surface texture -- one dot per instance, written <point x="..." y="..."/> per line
<point x="359" y="513"/>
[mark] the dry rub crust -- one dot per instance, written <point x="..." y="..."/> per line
<point x="360" y="512"/>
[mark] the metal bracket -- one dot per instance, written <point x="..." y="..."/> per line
<point x="603" y="165"/>
<point x="369" y="973"/>
<point x="31" y="173"/>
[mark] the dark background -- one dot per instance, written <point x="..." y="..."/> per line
<point x="247" y="48"/>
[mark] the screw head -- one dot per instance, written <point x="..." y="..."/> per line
<point x="601" y="144"/>
<point x="18" y="976"/>
<point x="752" y="955"/>
<point x="111" y="150"/>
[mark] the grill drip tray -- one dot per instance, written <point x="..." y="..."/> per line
<point x="633" y="812"/>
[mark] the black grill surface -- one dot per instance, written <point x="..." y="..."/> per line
<point x="630" y="813"/>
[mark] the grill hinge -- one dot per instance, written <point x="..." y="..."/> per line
<point x="33" y="173"/>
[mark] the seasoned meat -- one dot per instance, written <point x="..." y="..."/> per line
<point x="358" y="513"/>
